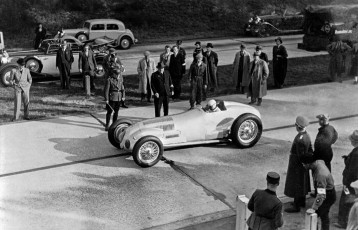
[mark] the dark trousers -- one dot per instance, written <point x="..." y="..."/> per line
<point x="92" y="74"/>
<point x="279" y="71"/>
<point x="177" y="86"/>
<point x="323" y="210"/>
<point x="115" y="106"/>
<point x="65" y="77"/>
<point x="196" y="91"/>
<point x="158" y="102"/>
<point x="299" y="201"/>
<point x="345" y="204"/>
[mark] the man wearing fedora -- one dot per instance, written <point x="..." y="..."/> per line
<point x="279" y="61"/>
<point x="262" y="55"/>
<point x="21" y="79"/>
<point x="162" y="87"/>
<point x="212" y="66"/>
<point x="326" y="137"/>
<point x="350" y="175"/>
<point x="64" y="60"/>
<point x="241" y="69"/>
<point x="265" y="206"/>
<point x="298" y="180"/>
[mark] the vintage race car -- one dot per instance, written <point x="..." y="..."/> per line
<point x="147" y="139"/>
<point x="42" y="62"/>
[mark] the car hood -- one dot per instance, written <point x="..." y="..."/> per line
<point x="74" y="31"/>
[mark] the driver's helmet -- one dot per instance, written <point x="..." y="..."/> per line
<point x="212" y="104"/>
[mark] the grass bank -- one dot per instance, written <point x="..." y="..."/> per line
<point x="49" y="101"/>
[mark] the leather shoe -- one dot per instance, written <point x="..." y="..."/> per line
<point x="252" y="102"/>
<point x="292" y="210"/>
<point x="27" y="118"/>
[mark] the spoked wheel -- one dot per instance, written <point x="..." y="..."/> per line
<point x="117" y="130"/>
<point x="246" y="131"/>
<point x="5" y="73"/>
<point x="147" y="151"/>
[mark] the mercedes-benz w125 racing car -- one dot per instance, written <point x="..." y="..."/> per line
<point x="147" y="139"/>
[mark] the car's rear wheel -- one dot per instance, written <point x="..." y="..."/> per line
<point x="147" y="151"/>
<point x="116" y="131"/>
<point x="33" y="65"/>
<point x="246" y="130"/>
<point x="81" y="36"/>
<point x="5" y="73"/>
<point x="125" y="42"/>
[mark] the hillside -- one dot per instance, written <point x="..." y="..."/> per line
<point x="148" y="19"/>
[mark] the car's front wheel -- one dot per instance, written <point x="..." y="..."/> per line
<point x="33" y="64"/>
<point x="246" y="130"/>
<point x="116" y="131"/>
<point x="81" y="36"/>
<point x="125" y="42"/>
<point x="5" y="73"/>
<point x="147" y="151"/>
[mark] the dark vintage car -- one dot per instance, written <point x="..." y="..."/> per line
<point x="268" y="25"/>
<point x="42" y="63"/>
<point x="322" y="23"/>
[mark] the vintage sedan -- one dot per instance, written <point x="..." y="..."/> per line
<point x="147" y="139"/>
<point x="42" y="63"/>
<point x="111" y="28"/>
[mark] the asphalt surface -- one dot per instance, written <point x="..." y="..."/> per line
<point x="63" y="173"/>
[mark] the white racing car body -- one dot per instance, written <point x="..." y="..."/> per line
<point x="147" y="139"/>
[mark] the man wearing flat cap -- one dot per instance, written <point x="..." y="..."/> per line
<point x="162" y="87"/>
<point x="326" y="137"/>
<point x="279" y="61"/>
<point x="198" y="81"/>
<point x="265" y="206"/>
<point x="212" y="66"/>
<point x="326" y="193"/>
<point x="298" y="180"/>
<point x="198" y="49"/>
<point x="241" y="69"/>
<point x="350" y="175"/>
<point x="21" y="79"/>
<point x="145" y="69"/>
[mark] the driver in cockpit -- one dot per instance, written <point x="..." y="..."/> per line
<point x="212" y="107"/>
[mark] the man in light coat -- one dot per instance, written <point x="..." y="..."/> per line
<point x="21" y="79"/>
<point x="258" y="83"/>
<point x="241" y="78"/>
<point x="145" y="69"/>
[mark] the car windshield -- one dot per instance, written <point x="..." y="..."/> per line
<point x="86" y="25"/>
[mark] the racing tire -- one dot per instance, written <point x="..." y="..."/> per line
<point x="125" y="43"/>
<point x="81" y="36"/>
<point x="33" y="64"/>
<point x="147" y="151"/>
<point x="246" y="130"/>
<point x="5" y="72"/>
<point x="116" y="129"/>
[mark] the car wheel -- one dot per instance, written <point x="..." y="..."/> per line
<point x="147" y="151"/>
<point x="5" y="73"/>
<point x="246" y="131"/>
<point x="100" y="72"/>
<point x="125" y="43"/>
<point x="81" y="36"/>
<point x="116" y="131"/>
<point x="33" y="65"/>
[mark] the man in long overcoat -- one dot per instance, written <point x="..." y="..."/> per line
<point x="145" y="69"/>
<point x="198" y="80"/>
<point x="298" y="180"/>
<point x="337" y="51"/>
<point x="241" y="74"/>
<point x="176" y="64"/>
<point x="64" y="60"/>
<point x="212" y="66"/>
<point x="87" y="65"/>
<point x="350" y="175"/>
<point x="279" y="61"/>
<point x="258" y="85"/>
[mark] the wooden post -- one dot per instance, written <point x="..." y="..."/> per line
<point x="311" y="221"/>
<point x="242" y="213"/>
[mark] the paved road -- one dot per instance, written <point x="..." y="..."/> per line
<point x="63" y="174"/>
